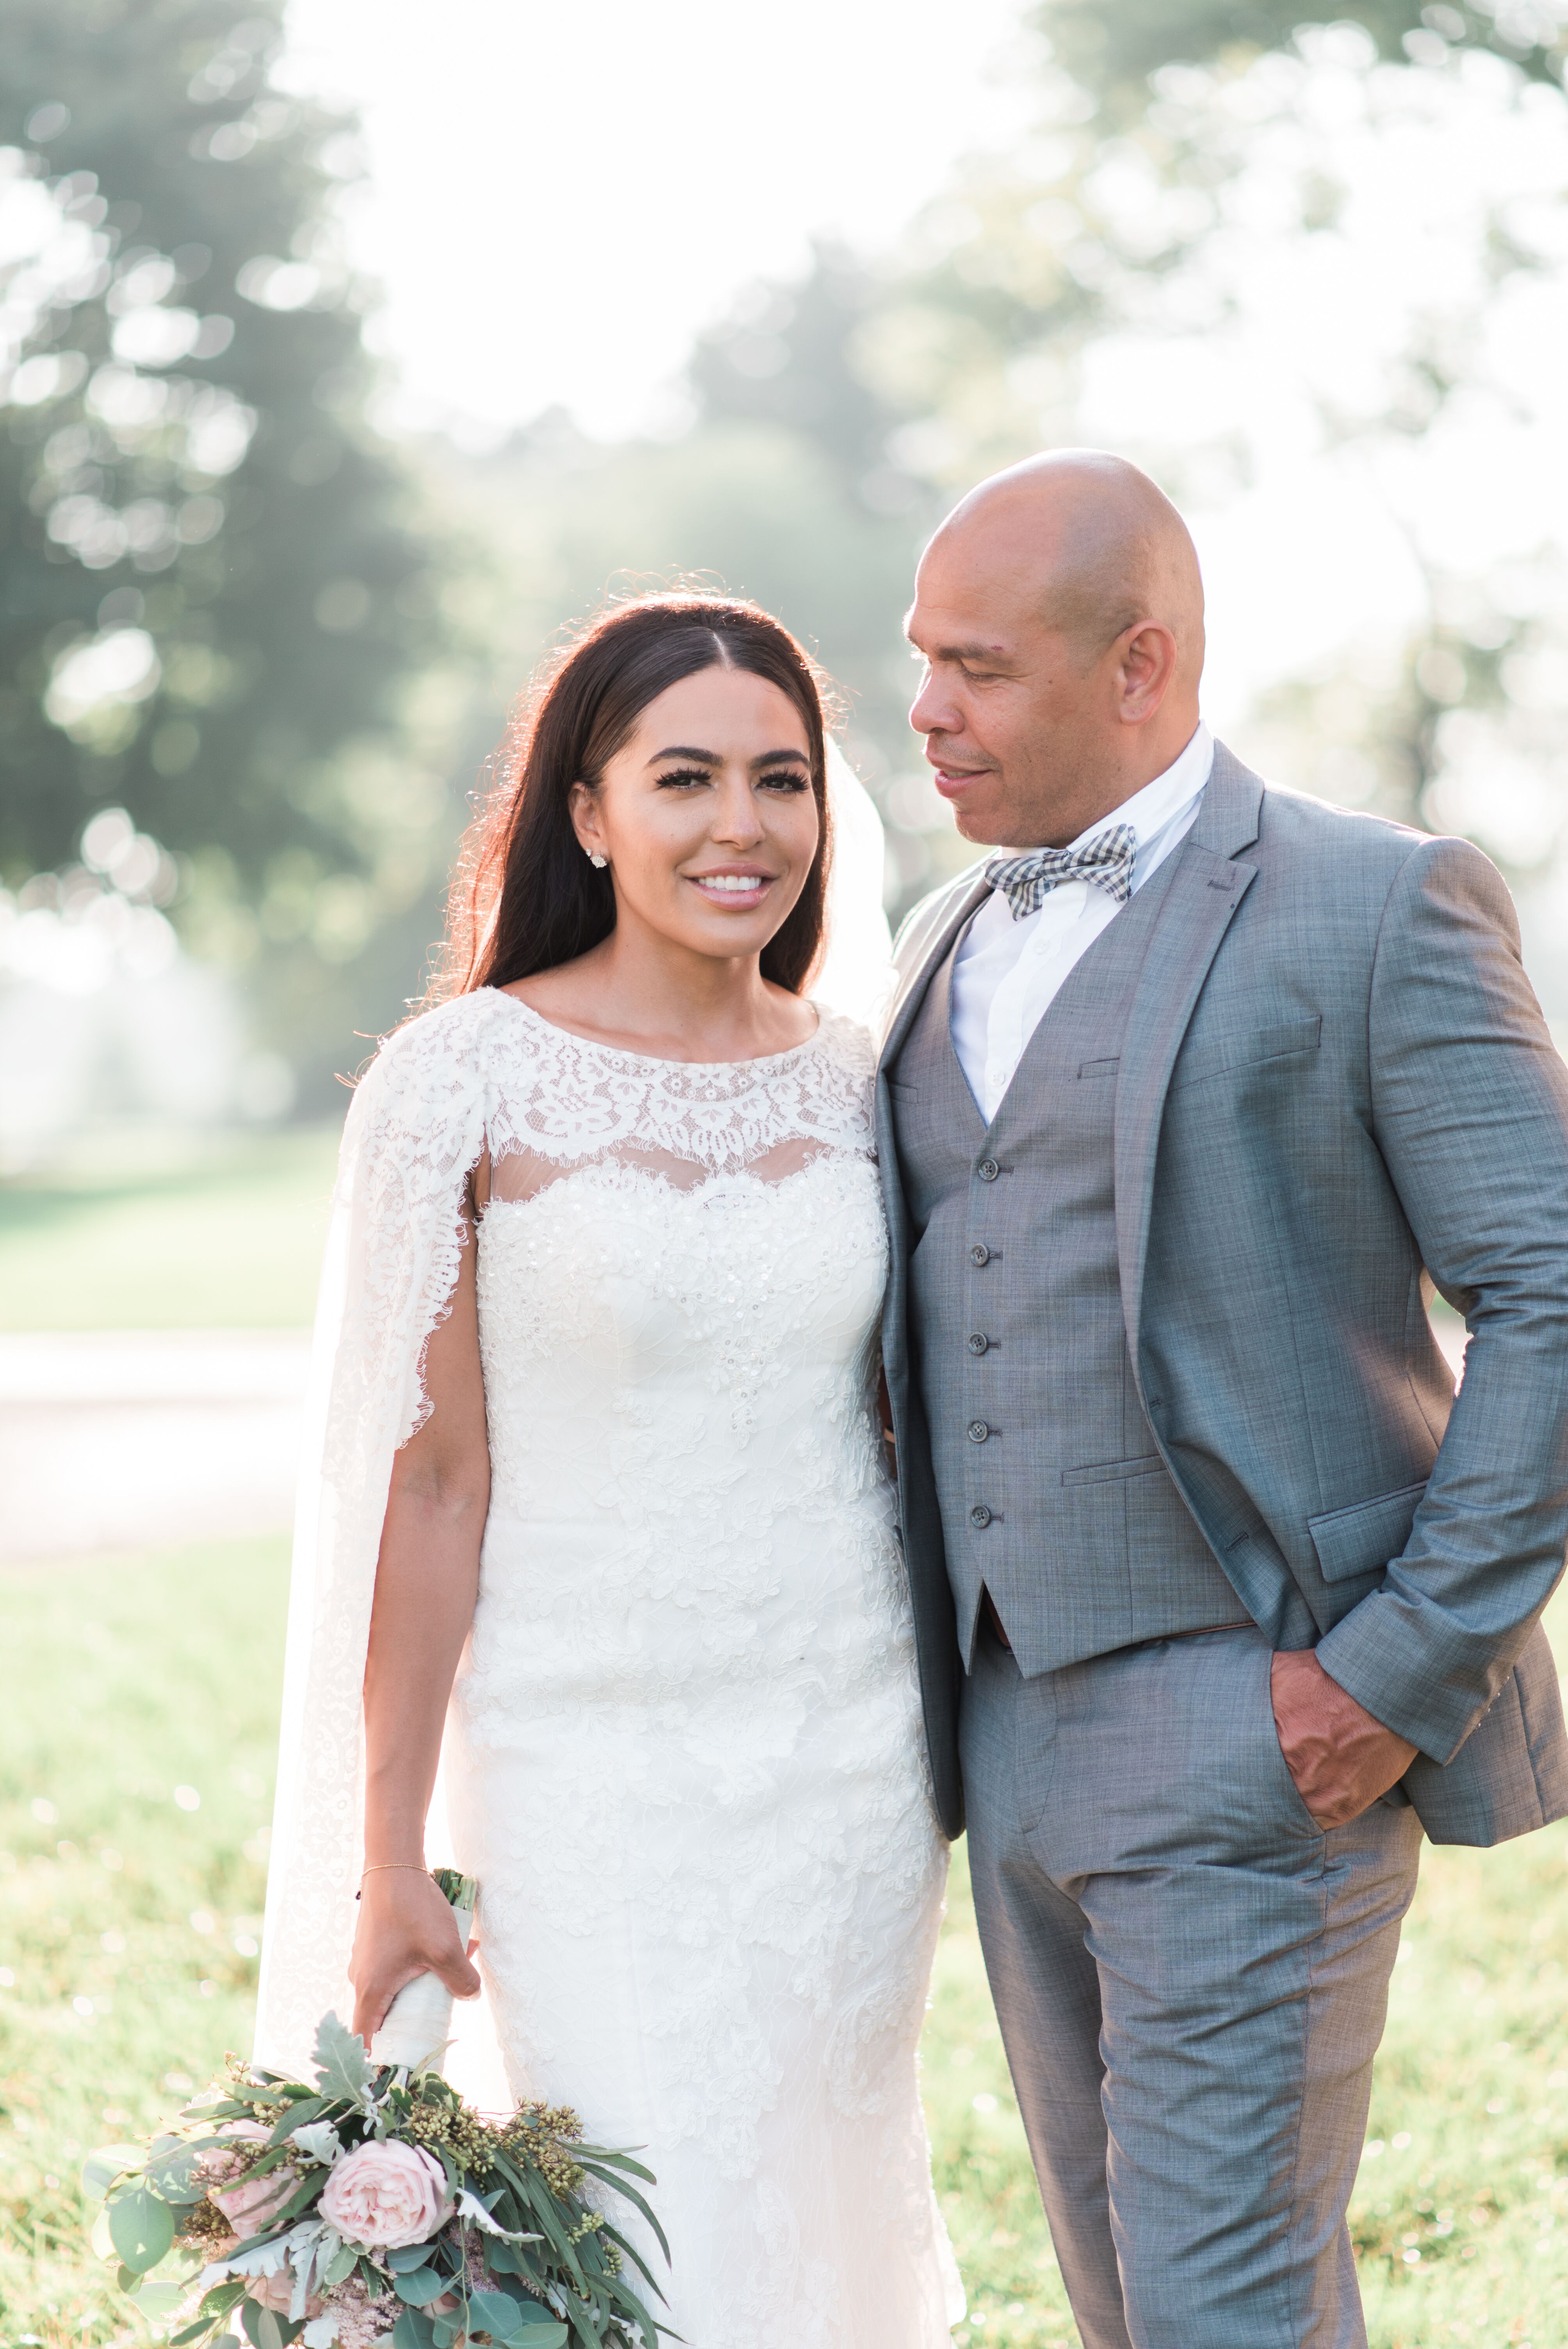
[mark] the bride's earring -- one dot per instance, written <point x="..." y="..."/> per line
<point x="596" y="861"/>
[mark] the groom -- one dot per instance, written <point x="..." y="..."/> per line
<point x="1190" y="1094"/>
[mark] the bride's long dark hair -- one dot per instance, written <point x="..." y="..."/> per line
<point x="523" y="895"/>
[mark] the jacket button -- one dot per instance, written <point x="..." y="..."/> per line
<point x="988" y="1170"/>
<point x="977" y="1344"/>
<point x="978" y="1431"/>
<point x="979" y="1253"/>
<point x="980" y="1516"/>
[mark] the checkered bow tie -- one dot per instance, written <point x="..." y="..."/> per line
<point x="1028" y="881"/>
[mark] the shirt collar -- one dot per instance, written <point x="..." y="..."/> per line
<point x="1151" y="808"/>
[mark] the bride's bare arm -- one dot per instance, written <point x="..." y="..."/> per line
<point x="427" y="1578"/>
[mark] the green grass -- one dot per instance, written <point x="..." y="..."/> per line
<point x="129" y="1688"/>
<point x="162" y="1674"/>
<point x="229" y="1237"/>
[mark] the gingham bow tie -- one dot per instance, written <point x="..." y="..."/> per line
<point x="1028" y="881"/>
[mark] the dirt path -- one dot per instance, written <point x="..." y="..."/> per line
<point x="120" y="1441"/>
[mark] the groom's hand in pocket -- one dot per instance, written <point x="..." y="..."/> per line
<point x="1340" y="1756"/>
<point x="405" y="1927"/>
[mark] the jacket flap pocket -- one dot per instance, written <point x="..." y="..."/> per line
<point x="1207" y="1057"/>
<point x="1112" y="1471"/>
<point x="1366" y="1538"/>
<point x="1099" y="1068"/>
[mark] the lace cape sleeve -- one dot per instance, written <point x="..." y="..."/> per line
<point x="415" y="1127"/>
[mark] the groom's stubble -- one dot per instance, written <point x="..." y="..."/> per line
<point x="1059" y="613"/>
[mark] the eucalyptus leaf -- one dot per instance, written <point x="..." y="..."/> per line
<point x="269" y="2332"/>
<point x="407" y="2257"/>
<point x="339" y="2268"/>
<point x="342" y="2065"/>
<point x="495" y="2313"/>
<point x="300" y="2115"/>
<point x="141" y="2229"/>
<point x="421" y="2286"/>
<point x="251" y="2318"/>
<point x="173" y="2173"/>
<point x="158" y="2301"/>
<point x="413" y="2330"/>
<point x="189" y="2333"/>
<point x="223" y="2297"/>
<point x="446" y="2330"/>
<point x="105" y="2164"/>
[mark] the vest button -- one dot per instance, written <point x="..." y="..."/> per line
<point x="988" y="1170"/>
<point x="977" y="1344"/>
<point x="978" y="1431"/>
<point x="980" y="1516"/>
<point x="979" y="1253"/>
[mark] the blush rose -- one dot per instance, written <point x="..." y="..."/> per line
<point x="252" y="2204"/>
<point x="387" y="2195"/>
<point x="276" y="2293"/>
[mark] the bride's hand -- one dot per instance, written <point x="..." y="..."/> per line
<point x="405" y="1927"/>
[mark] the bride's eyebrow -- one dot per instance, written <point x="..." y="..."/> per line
<point x="684" y="750"/>
<point x="712" y="759"/>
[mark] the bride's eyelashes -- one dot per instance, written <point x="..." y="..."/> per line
<point x="791" y="780"/>
<point x="684" y="778"/>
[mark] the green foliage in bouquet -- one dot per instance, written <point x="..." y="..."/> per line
<point x="373" y="2206"/>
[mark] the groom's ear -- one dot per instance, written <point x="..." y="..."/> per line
<point x="1147" y="664"/>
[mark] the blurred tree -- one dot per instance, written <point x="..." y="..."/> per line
<point x="784" y="356"/>
<point x="1113" y="53"/>
<point x="213" y="587"/>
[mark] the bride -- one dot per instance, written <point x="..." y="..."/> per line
<point x="604" y="1526"/>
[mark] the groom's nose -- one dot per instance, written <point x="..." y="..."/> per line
<point x="932" y="710"/>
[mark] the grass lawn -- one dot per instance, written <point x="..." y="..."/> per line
<point x="129" y="1913"/>
<point x="226" y="1237"/>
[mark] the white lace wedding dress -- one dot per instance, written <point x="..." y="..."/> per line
<point x="686" y="1761"/>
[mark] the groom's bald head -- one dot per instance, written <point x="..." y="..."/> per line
<point x="1060" y="610"/>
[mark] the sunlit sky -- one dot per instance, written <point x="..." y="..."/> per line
<point x="560" y="196"/>
<point x="558" y="199"/>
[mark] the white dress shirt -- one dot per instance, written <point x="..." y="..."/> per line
<point x="1007" y="973"/>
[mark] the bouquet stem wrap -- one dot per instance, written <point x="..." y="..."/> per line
<point x="418" y="2023"/>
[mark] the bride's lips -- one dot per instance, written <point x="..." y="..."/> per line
<point x="737" y="887"/>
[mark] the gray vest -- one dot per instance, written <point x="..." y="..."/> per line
<point x="1052" y="1493"/>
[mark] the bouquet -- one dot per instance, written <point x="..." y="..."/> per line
<point x="371" y="2206"/>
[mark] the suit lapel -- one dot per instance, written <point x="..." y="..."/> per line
<point x="1206" y="888"/>
<point x="924" y="962"/>
<point x="927" y="957"/>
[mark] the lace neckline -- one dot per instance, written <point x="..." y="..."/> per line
<point x="656" y="1060"/>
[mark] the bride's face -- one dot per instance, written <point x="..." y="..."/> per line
<point x="706" y="815"/>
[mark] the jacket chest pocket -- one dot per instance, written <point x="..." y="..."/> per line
<point x="1365" y="1537"/>
<point x="1213" y="1057"/>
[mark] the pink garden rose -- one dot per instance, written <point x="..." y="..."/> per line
<point x="252" y="2204"/>
<point x="385" y="2196"/>
<point x="275" y="2291"/>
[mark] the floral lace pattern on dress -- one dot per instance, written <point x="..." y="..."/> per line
<point x="685" y="1757"/>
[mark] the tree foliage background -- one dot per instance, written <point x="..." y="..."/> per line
<point x="282" y="643"/>
<point x="218" y="592"/>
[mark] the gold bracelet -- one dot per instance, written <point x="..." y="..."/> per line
<point x="387" y="1866"/>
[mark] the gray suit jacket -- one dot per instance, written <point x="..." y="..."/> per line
<point x="1277" y="1244"/>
